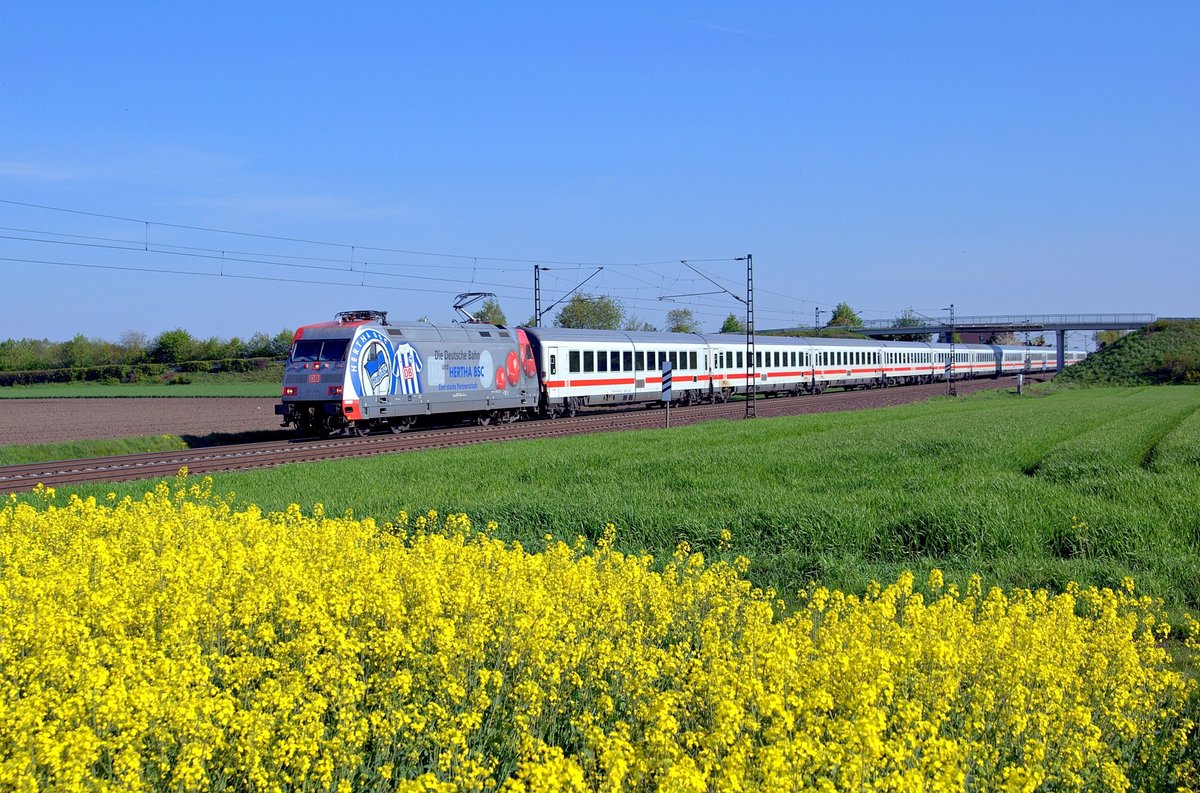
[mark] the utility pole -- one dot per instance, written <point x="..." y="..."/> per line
<point x="751" y="368"/>
<point x="537" y="296"/>
<point x="751" y="363"/>
<point x="817" y="321"/>
<point x="950" y="391"/>
<point x="537" y="292"/>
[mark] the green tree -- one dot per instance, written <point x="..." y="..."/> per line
<point x="81" y="351"/>
<point x="733" y="325"/>
<point x="907" y="319"/>
<point x="1106" y="337"/>
<point x="587" y="311"/>
<point x="24" y="354"/>
<point x="259" y="346"/>
<point x="844" y="317"/>
<point x="173" y="346"/>
<point x="682" y="320"/>
<point x="211" y="349"/>
<point x="133" y="346"/>
<point x="633" y="323"/>
<point x="491" y="312"/>
<point x="281" y="343"/>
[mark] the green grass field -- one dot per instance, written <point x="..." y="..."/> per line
<point x="103" y="447"/>
<point x="263" y="383"/>
<point x="107" y="391"/>
<point x="80" y="450"/>
<point x="1088" y="485"/>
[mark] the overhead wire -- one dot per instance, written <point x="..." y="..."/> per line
<point x="365" y="267"/>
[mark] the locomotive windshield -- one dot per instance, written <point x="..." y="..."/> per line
<point x="320" y="350"/>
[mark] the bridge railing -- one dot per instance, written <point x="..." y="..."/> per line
<point x="1031" y="320"/>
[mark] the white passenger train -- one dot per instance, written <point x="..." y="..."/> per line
<point x="580" y="368"/>
<point x="360" y="373"/>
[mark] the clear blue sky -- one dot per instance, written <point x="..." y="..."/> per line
<point x="1004" y="157"/>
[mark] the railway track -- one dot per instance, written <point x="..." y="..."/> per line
<point x="246" y="456"/>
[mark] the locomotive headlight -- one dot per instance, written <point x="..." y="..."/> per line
<point x="289" y="390"/>
<point x="335" y="390"/>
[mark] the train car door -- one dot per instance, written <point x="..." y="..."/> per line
<point x="552" y="364"/>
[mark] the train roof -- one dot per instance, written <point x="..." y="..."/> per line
<point x="416" y="331"/>
<point x="553" y="335"/>
<point x="545" y="334"/>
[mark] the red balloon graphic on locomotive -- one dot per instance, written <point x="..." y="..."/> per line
<point x="525" y="352"/>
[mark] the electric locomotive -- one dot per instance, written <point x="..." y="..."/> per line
<point x="360" y="373"/>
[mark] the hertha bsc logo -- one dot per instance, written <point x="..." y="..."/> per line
<point x="371" y="364"/>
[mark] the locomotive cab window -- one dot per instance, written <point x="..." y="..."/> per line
<point x="320" y="350"/>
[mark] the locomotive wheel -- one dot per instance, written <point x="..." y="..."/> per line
<point x="483" y="419"/>
<point x="357" y="430"/>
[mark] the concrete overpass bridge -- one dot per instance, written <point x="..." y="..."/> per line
<point x="1060" y="324"/>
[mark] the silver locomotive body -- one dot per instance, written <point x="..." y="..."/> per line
<point x="359" y="373"/>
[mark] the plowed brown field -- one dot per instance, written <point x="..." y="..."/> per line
<point x="25" y="421"/>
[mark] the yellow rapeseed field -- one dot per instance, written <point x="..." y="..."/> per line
<point x="175" y="643"/>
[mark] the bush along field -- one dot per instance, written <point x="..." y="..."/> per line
<point x="177" y="643"/>
<point x="984" y="593"/>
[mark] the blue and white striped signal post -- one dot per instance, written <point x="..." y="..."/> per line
<point x="666" y="388"/>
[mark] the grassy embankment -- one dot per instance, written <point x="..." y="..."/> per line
<point x="1166" y="351"/>
<point x="1088" y="485"/>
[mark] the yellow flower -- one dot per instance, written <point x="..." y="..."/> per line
<point x="175" y="642"/>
